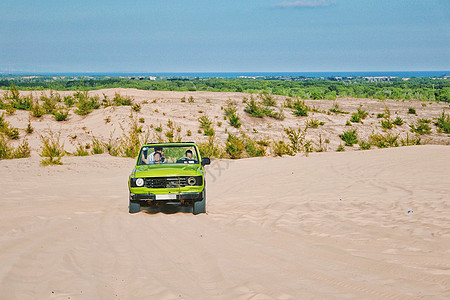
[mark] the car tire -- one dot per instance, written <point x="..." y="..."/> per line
<point x="134" y="207"/>
<point x="200" y="206"/>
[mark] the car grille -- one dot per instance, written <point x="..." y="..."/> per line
<point x="165" y="182"/>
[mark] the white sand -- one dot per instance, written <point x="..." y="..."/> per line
<point x="354" y="225"/>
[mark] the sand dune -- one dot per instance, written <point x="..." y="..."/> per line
<point x="354" y="225"/>
<point x="157" y="107"/>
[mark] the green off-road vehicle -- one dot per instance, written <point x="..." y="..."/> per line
<point x="168" y="173"/>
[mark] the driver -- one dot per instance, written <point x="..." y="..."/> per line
<point x="188" y="154"/>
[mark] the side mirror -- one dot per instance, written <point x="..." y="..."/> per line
<point x="206" y="161"/>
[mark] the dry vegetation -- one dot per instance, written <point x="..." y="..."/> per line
<point x="227" y="125"/>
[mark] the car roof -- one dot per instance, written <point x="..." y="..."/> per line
<point x="171" y="144"/>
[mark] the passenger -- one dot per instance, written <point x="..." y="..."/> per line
<point x="151" y="158"/>
<point x="157" y="158"/>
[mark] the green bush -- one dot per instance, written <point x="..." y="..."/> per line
<point x="313" y="123"/>
<point x="98" y="147"/>
<point x="363" y="145"/>
<point x="383" y="141"/>
<point x="411" y="111"/>
<point x="340" y="148"/>
<point x="210" y="148"/>
<point x="410" y="141"/>
<point x="234" y="146"/>
<point x="349" y="137"/>
<point x="52" y="149"/>
<point x="280" y="148"/>
<point x="120" y="100"/>
<point x="387" y="124"/>
<point x="206" y="125"/>
<point x="252" y="108"/>
<point x="81" y="151"/>
<point x="60" y="115"/>
<point x="355" y="118"/>
<point x="398" y="121"/>
<point x="300" y="109"/>
<point x="5" y="149"/>
<point x="421" y="127"/>
<point x="231" y="114"/>
<point x="22" y="151"/>
<point x="443" y="122"/>
<point x="336" y="110"/>
<point x="267" y="100"/>
<point x="252" y="148"/>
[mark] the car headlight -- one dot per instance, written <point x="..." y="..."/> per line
<point x="139" y="182"/>
<point x="191" y="181"/>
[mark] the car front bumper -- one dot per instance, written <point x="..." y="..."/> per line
<point x="153" y="198"/>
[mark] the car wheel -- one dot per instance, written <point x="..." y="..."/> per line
<point x="200" y="206"/>
<point x="134" y="207"/>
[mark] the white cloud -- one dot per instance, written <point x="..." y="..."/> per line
<point x="304" y="4"/>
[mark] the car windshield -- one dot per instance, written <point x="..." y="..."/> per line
<point x="168" y="154"/>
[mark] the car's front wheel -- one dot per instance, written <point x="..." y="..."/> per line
<point x="134" y="207"/>
<point x="200" y="206"/>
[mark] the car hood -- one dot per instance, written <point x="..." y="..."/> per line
<point x="164" y="170"/>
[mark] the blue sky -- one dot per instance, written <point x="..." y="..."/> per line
<point x="224" y="35"/>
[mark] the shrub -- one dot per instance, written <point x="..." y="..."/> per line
<point x="120" y="100"/>
<point x="363" y="114"/>
<point x="267" y="100"/>
<point x="5" y="150"/>
<point x="383" y="141"/>
<point x="297" y="140"/>
<point x="363" y="145"/>
<point x="252" y="108"/>
<point x="61" y="115"/>
<point x="85" y="104"/>
<point x="81" y="151"/>
<point x="355" y="118"/>
<point x="234" y="146"/>
<point x="52" y="149"/>
<point x="206" y="125"/>
<point x="12" y="133"/>
<point x="98" y="147"/>
<point x="299" y="108"/>
<point x="172" y="132"/>
<point x="313" y="123"/>
<point x="131" y="141"/>
<point x="231" y="113"/>
<point x="410" y="141"/>
<point x="279" y="115"/>
<point x="37" y="110"/>
<point x="136" y="107"/>
<point x="29" y="129"/>
<point x="280" y="148"/>
<point x="443" y="122"/>
<point x="191" y="99"/>
<point x="340" y="148"/>
<point x="336" y="110"/>
<point x="158" y="129"/>
<point x="22" y="151"/>
<point x="411" y="111"/>
<point x="252" y="148"/>
<point x="387" y="124"/>
<point x="69" y="101"/>
<point x="421" y="127"/>
<point x="141" y="120"/>
<point x="398" y="121"/>
<point x="188" y="132"/>
<point x="349" y="137"/>
<point x="210" y="148"/>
